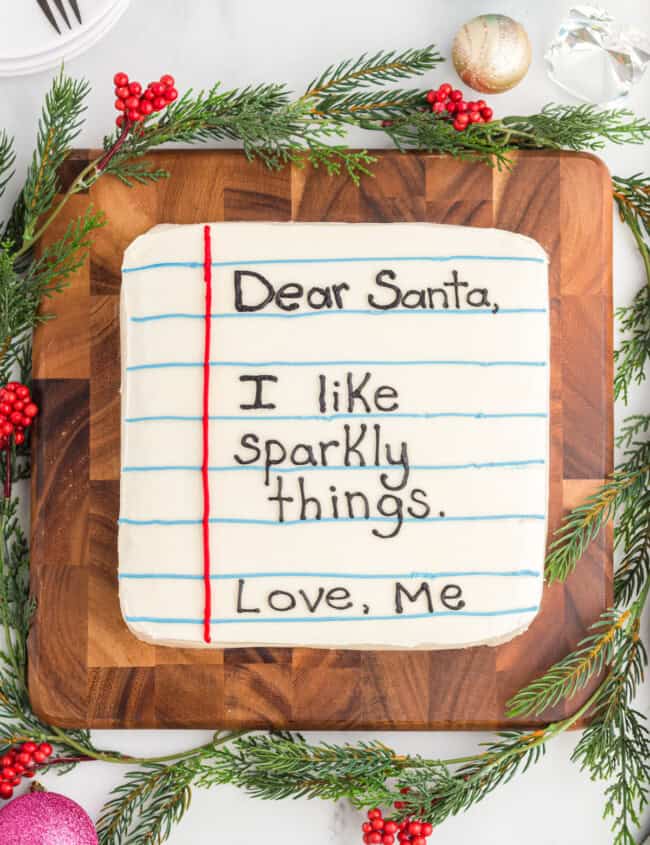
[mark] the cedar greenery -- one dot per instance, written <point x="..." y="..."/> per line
<point x="278" y="129"/>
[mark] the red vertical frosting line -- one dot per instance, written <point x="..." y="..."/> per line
<point x="207" y="588"/>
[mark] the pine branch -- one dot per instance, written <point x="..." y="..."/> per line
<point x="385" y="66"/>
<point x="632" y="357"/>
<point x="7" y="159"/>
<point x="616" y="745"/>
<point x="279" y="766"/>
<point x="583" y="524"/>
<point x="147" y="806"/>
<point x="59" y="125"/>
<point x="571" y="674"/>
<point x="21" y="294"/>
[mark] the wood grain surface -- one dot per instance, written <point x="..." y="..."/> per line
<point x="85" y="668"/>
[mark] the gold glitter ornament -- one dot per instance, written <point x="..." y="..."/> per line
<point x="491" y="53"/>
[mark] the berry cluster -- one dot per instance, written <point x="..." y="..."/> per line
<point x="449" y="102"/>
<point x="380" y="831"/>
<point x="17" y="412"/>
<point x="21" y="762"/>
<point x="137" y="104"/>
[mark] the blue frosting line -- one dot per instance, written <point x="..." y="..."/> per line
<point x="171" y="620"/>
<point x="452" y="363"/>
<point x="349" y="260"/>
<point x="293" y="315"/>
<point x="179" y="576"/>
<point x="330" y="417"/>
<point x="333" y="467"/>
<point x="290" y="522"/>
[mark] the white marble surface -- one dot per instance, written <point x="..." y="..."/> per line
<point x="246" y="41"/>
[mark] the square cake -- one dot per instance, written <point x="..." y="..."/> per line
<point x="333" y="435"/>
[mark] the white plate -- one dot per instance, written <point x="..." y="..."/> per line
<point x="40" y="49"/>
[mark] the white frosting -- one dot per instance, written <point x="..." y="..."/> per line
<point x="465" y="396"/>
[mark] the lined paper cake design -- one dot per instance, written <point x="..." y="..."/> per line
<point x="333" y="435"/>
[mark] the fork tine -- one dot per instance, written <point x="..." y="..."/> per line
<point x="59" y="5"/>
<point x="75" y="8"/>
<point x="48" y="14"/>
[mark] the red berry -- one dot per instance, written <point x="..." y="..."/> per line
<point x="5" y="409"/>
<point x="377" y="824"/>
<point x="405" y="790"/>
<point x="427" y="829"/>
<point x="23" y="758"/>
<point x="46" y="749"/>
<point x="445" y="88"/>
<point x="431" y="96"/>
<point x="441" y="96"/>
<point x="461" y="106"/>
<point x="15" y="782"/>
<point x="121" y="79"/>
<point x="456" y="95"/>
<point x="451" y="107"/>
<point x="7" y="428"/>
<point x="472" y="106"/>
<point x="18" y="405"/>
<point x="26" y="421"/>
<point x="13" y="385"/>
<point x="10" y="397"/>
<point x="122" y="92"/>
<point x="387" y="839"/>
<point x="16" y="418"/>
<point x="145" y="107"/>
<point x="459" y="127"/>
<point x="29" y="773"/>
<point x="486" y="113"/>
<point x="390" y="827"/>
<point x="120" y="105"/>
<point x="135" y="88"/>
<point x="6" y="791"/>
<point x="39" y="757"/>
<point x="171" y="94"/>
<point x="374" y="838"/>
<point x="374" y="813"/>
<point x="159" y="103"/>
<point x="30" y="411"/>
<point x="19" y="768"/>
<point x="8" y="773"/>
<point x="399" y="805"/>
<point x="148" y="95"/>
<point x="404" y="837"/>
<point x="474" y="117"/>
<point x="157" y="87"/>
<point x="480" y="104"/>
<point x="418" y="840"/>
<point x="120" y="121"/>
<point x="133" y="114"/>
<point x="415" y="828"/>
<point x="437" y="108"/>
<point x="19" y="437"/>
<point x="132" y="102"/>
<point x="366" y="838"/>
<point x="6" y="760"/>
<point x="366" y="827"/>
<point x="167" y="80"/>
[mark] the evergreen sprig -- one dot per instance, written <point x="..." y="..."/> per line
<point x="347" y="77"/>
<point x="147" y="805"/>
<point x="7" y="160"/>
<point x="59" y="125"/>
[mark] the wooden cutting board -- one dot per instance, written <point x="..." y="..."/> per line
<point x="86" y="669"/>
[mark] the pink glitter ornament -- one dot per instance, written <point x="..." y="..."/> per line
<point x="45" y="818"/>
